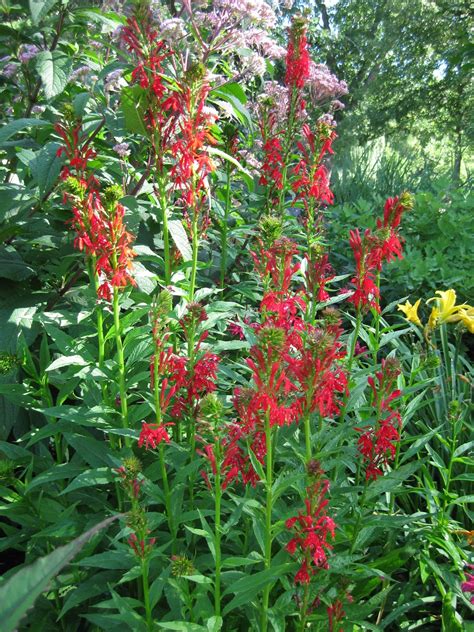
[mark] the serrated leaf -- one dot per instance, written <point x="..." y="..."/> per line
<point x="53" y="68"/>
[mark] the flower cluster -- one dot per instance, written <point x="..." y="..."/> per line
<point x="445" y="310"/>
<point x="181" y="382"/>
<point x="28" y="52"/>
<point x="318" y="273"/>
<point x="153" y="434"/>
<point x="373" y="248"/>
<point x="98" y="218"/>
<point x="378" y="444"/>
<point x="141" y="38"/>
<point x="297" y="56"/>
<point x="295" y="365"/>
<point x="468" y="585"/>
<point x="323" y="85"/>
<point x="193" y="164"/>
<point x="311" y="529"/>
<point x="311" y="178"/>
<point x="139" y="540"/>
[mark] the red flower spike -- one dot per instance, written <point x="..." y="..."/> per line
<point x="153" y="434"/>
<point x="377" y="444"/>
<point x="311" y="530"/>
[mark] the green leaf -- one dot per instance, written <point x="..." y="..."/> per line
<point x="74" y="360"/>
<point x="46" y="166"/>
<point x="12" y="265"/>
<point x="391" y="481"/>
<point x="214" y="624"/>
<point x="39" y="9"/>
<point x="183" y="626"/>
<point x="133" y="99"/>
<point x="53" y="68"/>
<point x="17" y="126"/>
<point x="180" y="238"/>
<point x="18" y="594"/>
<point x="91" y="478"/>
<point x="222" y="154"/>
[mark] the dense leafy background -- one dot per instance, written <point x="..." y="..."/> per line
<point x="401" y="546"/>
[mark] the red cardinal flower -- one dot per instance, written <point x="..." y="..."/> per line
<point x="153" y="434"/>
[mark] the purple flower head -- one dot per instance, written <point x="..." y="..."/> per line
<point x="122" y="149"/>
<point x="112" y="80"/>
<point x="9" y="70"/>
<point x="27" y="52"/>
<point x="80" y="74"/>
<point x="172" y="30"/>
<point x="323" y="85"/>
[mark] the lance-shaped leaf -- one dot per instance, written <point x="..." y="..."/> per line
<point x="18" y="594"/>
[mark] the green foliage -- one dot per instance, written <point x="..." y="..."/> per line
<point x="80" y="375"/>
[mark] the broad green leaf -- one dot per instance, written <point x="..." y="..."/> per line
<point x="389" y="482"/>
<point x="53" y="68"/>
<point x="18" y="594"/>
<point x="40" y="9"/>
<point x="46" y="166"/>
<point x="14" y="127"/>
<point x="133" y="99"/>
<point x="214" y="624"/>
<point x="73" y="360"/>
<point x="180" y="238"/>
<point x="91" y="478"/>
<point x="183" y="626"/>
<point x="12" y="265"/>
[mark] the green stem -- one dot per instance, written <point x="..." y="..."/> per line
<point x="58" y="438"/>
<point x="146" y="595"/>
<point x="100" y="333"/>
<point x="359" y="519"/>
<point x="350" y="361"/>
<point x="164" y="474"/>
<point x="99" y="314"/>
<point x="268" y="519"/>
<point x="377" y="323"/>
<point x="354" y="341"/>
<point x="448" y="368"/>
<point x="449" y="473"/>
<point x="304" y="608"/>
<point x="217" y="534"/>
<point x="166" y="235"/>
<point x="121" y="363"/>
<point x="195" y="246"/>
<point x="224" y="227"/>
<point x="166" y="489"/>
<point x="307" y="436"/>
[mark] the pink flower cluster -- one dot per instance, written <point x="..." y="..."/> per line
<point x="323" y="85"/>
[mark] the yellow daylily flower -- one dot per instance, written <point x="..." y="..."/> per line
<point x="466" y="316"/>
<point x="446" y="310"/>
<point x="411" y="312"/>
